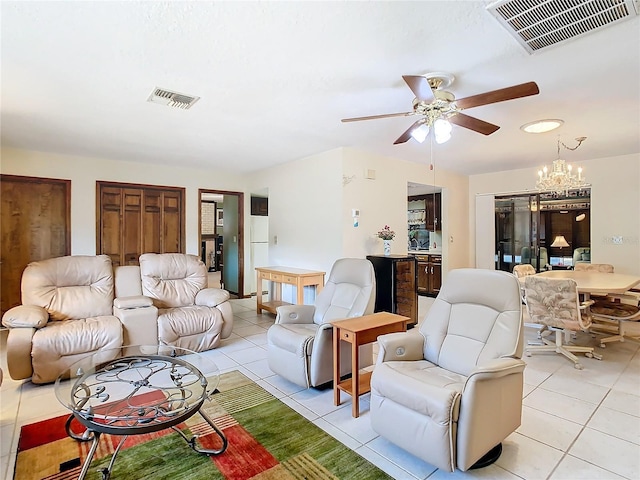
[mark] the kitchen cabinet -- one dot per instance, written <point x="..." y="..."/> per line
<point x="396" y="285"/>
<point x="429" y="274"/>
<point x="429" y="217"/>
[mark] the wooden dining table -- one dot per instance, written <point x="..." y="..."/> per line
<point x="596" y="282"/>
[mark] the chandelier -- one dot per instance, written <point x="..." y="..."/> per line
<point x="561" y="178"/>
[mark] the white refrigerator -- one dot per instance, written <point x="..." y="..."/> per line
<point x="259" y="235"/>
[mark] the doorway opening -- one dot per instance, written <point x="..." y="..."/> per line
<point x="221" y="238"/>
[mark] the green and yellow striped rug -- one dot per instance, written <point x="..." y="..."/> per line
<point x="267" y="441"/>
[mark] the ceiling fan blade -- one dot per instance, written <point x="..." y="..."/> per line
<point x="420" y="87"/>
<point x="407" y="134"/>
<point x="473" y="123"/>
<point x="509" y="93"/>
<point x="373" y="117"/>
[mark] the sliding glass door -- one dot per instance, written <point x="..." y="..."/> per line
<point x="545" y="230"/>
<point x="517" y="220"/>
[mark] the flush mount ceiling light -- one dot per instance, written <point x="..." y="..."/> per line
<point x="542" y="126"/>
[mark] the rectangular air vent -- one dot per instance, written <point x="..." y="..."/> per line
<point x="172" y="99"/>
<point x="539" y="24"/>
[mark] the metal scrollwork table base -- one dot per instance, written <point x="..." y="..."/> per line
<point x="137" y="394"/>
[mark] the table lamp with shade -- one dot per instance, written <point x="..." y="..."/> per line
<point x="560" y="242"/>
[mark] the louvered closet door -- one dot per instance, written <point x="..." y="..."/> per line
<point x="139" y="219"/>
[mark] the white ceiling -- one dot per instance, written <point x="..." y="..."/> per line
<point x="275" y="78"/>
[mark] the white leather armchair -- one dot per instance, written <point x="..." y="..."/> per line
<point x="452" y="391"/>
<point x="300" y="344"/>
<point x="66" y="314"/>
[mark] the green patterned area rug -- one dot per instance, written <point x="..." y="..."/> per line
<point x="267" y="441"/>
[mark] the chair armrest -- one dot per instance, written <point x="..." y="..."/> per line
<point x="295" y="314"/>
<point x="25" y="316"/>
<point x="211" y="297"/>
<point x="406" y="346"/>
<point x="497" y="368"/>
<point x="137" y="301"/>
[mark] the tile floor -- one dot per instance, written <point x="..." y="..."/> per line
<point x="575" y="424"/>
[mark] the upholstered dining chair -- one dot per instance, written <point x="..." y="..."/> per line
<point x="451" y="392"/>
<point x="617" y="315"/>
<point x="522" y="271"/>
<point x="300" y="343"/>
<point x="593" y="267"/>
<point x="554" y="302"/>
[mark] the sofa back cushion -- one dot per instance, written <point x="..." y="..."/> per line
<point x="71" y="287"/>
<point x="172" y="279"/>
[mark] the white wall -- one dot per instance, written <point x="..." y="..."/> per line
<point x="310" y="208"/>
<point x="615" y="206"/>
<point x="85" y="171"/>
<point x="305" y="197"/>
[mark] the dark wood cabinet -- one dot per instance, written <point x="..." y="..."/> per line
<point x="396" y="285"/>
<point x="429" y="274"/>
<point x="259" y="206"/>
<point x="435" y="275"/>
<point x="137" y="219"/>
<point x="432" y="210"/>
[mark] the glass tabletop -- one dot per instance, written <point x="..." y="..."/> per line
<point x="136" y="388"/>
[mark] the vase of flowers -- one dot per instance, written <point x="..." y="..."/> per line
<point x="386" y="234"/>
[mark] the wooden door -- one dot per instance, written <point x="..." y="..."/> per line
<point x="136" y="219"/>
<point x="35" y="221"/>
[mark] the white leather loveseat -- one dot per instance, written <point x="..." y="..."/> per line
<point x="74" y="306"/>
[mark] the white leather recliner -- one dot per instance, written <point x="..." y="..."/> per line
<point x="66" y="314"/>
<point x="300" y="344"/>
<point x="451" y="392"/>
<point x="190" y="315"/>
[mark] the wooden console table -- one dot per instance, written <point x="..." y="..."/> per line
<point x="360" y="331"/>
<point x="291" y="276"/>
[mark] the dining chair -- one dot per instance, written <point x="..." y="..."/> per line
<point x="594" y="267"/>
<point x="619" y="315"/>
<point x="554" y="302"/>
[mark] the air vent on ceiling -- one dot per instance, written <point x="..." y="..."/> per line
<point x="172" y="99"/>
<point x="539" y="24"/>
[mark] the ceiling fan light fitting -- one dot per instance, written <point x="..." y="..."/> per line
<point x="442" y="130"/>
<point x="542" y="126"/>
<point x="420" y="134"/>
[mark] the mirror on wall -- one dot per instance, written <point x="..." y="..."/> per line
<point x="545" y="230"/>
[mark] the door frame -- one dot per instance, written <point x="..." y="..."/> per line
<point x="240" y="196"/>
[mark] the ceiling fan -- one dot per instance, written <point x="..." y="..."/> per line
<point x="438" y="108"/>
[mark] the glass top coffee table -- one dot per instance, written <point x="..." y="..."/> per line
<point x="136" y="390"/>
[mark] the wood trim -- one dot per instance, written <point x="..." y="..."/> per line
<point x="61" y="181"/>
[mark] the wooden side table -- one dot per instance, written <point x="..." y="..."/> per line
<point x="292" y="276"/>
<point x="360" y="331"/>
